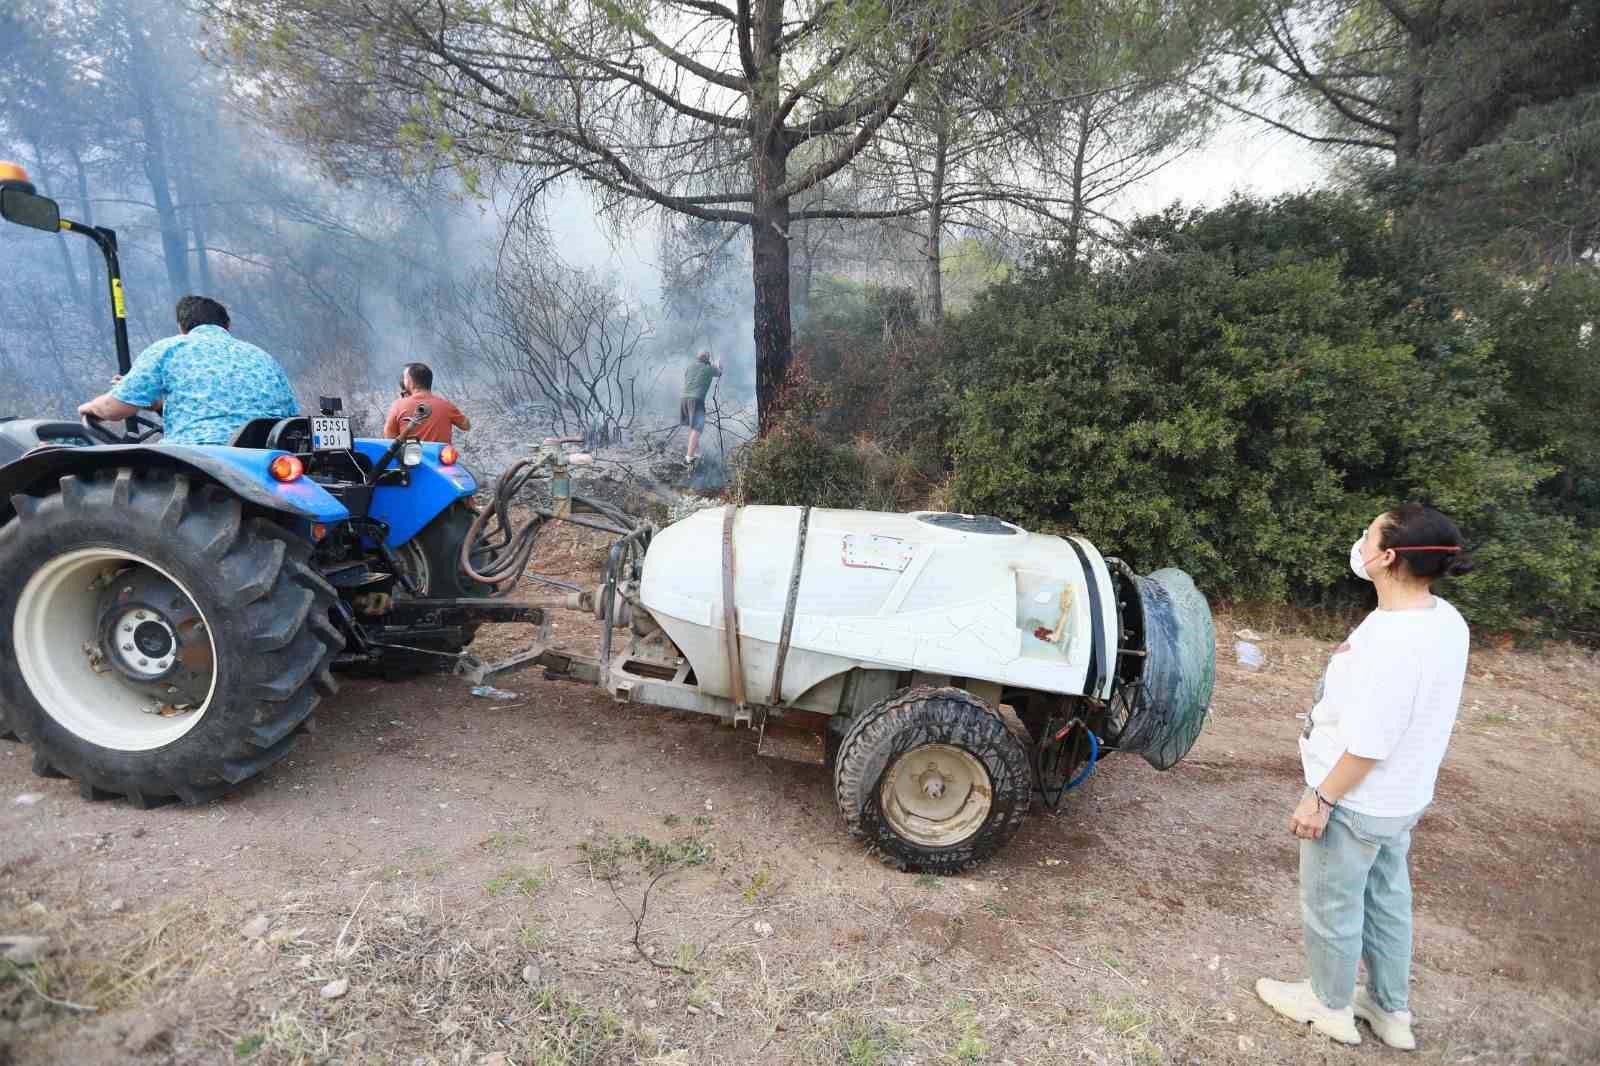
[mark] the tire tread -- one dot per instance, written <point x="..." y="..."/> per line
<point x="867" y="751"/>
<point x="270" y="613"/>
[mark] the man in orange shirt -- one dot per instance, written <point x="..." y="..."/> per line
<point x="416" y="387"/>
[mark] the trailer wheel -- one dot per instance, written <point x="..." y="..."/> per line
<point x="932" y="779"/>
<point x="155" y="642"/>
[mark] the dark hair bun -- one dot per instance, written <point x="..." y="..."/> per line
<point x="1427" y="542"/>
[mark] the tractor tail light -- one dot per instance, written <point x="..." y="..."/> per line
<point x="286" y="468"/>
<point x="13" y="176"/>
<point x="448" y="455"/>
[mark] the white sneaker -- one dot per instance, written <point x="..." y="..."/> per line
<point x="1296" y="1001"/>
<point x="1393" y="1028"/>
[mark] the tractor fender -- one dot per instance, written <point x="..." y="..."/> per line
<point x="433" y="487"/>
<point x="242" y="471"/>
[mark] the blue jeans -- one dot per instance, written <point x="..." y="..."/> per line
<point x="1355" y="898"/>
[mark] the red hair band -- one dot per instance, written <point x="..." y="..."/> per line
<point x="1427" y="548"/>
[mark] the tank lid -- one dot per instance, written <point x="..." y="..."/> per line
<point x="968" y="523"/>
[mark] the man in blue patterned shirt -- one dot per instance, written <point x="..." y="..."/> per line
<point x="205" y="382"/>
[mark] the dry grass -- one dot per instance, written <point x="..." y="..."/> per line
<point x="417" y="982"/>
<point x="87" y="972"/>
<point x="520" y="981"/>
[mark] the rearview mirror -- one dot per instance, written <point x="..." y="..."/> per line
<point x="30" y="209"/>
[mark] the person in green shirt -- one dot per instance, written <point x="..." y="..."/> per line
<point x="692" y="410"/>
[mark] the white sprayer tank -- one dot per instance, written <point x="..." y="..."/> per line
<point x="948" y="594"/>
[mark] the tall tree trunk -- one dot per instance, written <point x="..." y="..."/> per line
<point x="769" y="237"/>
<point x="68" y="271"/>
<point x="935" y="245"/>
<point x="1079" y="155"/>
<point x="189" y="192"/>
<point x="74" y="285"/>
<point x="1408" y="146"/>
<point x="91" y="254"/>
<point x="809" y="266"/>
<point x="174" y="245"/>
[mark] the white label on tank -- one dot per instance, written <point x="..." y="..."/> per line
<point x="866" y="551"/>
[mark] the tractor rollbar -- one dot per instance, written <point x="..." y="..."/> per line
<point x="106" y="240"/>
<point x="26" y="207"/>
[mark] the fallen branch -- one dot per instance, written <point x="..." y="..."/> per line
<point x="638" y="923"/>
<point x="339" y="950"/>
<point x="1064" y="960"/>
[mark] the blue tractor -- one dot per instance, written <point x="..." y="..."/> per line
<point x="171" y="615"/>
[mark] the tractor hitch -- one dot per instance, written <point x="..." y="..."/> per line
<point x="477" y="611"/>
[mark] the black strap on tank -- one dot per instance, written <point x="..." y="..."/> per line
<point x="730" y="614"/>
<point x="1097" y="629"/>
<point x="788" y="608"/>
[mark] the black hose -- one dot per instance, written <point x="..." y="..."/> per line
<point x="496" y="550"/>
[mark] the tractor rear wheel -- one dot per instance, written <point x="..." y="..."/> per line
<point x="156" y="643"/>
<point x="432" y="560"/>
<point x="932" y="779"/>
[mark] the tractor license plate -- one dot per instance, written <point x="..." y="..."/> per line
<point x="330" y="434"/>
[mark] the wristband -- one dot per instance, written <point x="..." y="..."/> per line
<point x="1323" y="799"/>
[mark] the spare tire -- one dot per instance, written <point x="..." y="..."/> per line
<point x="154" y="642"/>
<point x="1160" y="714"/>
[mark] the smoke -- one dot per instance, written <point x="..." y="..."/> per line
<point x="121" y="119"/>
<point x="711" y="308"/>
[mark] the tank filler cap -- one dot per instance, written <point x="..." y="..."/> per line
<point x="969" y="523"/>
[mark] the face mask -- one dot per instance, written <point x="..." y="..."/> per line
<point x="1358" y="565"/>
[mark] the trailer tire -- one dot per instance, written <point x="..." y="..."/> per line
<point x="257" y="635"/>
<point x="906" y="817"/>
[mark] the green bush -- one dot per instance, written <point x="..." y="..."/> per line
<point x="1243" y="393"/>
<point x="799" y="465"/>
<point x="796" y="464"/>
<point x="871" y="375"/>
<point x="847" y="316"/>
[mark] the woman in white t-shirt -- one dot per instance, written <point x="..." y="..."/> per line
<point x="1371" y="752"/>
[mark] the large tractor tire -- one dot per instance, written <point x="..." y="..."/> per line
<point x="156" y="643"/>
<point x="432" y="559"/>
<point x="932" y="779"/>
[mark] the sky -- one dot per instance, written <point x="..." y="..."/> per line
<point x="1244" y="156"/>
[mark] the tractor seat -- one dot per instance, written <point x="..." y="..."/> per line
<point x="253" y="434"/>
<point x="287" y="434"/>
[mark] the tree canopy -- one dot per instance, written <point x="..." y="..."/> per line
<point x="1485" y="115"/>
<point x="728" y="113"/>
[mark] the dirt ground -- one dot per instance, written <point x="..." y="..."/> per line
<point x="438" y="878"/>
